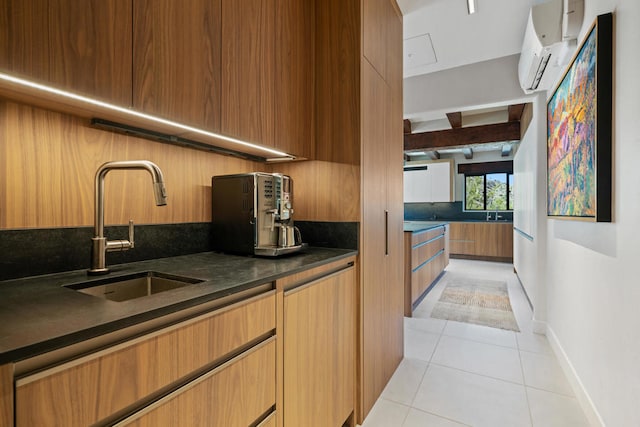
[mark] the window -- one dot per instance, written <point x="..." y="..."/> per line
<point x="488" y="192"/>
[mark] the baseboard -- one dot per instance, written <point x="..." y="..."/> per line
<point x="539" y="327"/>
<point x="591" y="412"/>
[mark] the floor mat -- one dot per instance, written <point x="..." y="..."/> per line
<point x="482" y="302"/>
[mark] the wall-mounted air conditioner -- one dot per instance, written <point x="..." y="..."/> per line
<point x="549" y="42"/>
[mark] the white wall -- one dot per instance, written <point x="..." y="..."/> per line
<point x="529" y="221"/>
<point x="593" y="283"/>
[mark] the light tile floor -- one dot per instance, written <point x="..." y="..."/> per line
<point x="459" y="374"/>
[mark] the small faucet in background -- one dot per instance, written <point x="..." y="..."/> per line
<point x="100" y="244"/>
<point x="488" y="216"/>
<point x="498" y="216"/>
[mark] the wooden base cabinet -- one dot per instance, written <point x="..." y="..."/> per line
<point x="426" y="256"/>
<point x="115" y="382"/>
<point x="482" y="240"/>
<point x="319" y="351"/>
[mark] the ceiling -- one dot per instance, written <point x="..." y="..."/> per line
<point x="441" y="35"/>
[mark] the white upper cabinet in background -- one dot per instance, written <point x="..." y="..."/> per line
<point x="428" y="182"/>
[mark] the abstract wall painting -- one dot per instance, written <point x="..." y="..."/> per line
<point x="579" y="122"/>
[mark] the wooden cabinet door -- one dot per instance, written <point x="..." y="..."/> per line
<point x="462" y="238"/>
<point x="375" y="41"/>
<point x="375" y="325"/>
<point x="319" y="351"/>
<point x="394" y="149"/>
<point x="294" y="77"/>
<point x="235" y="394"/>
<point x="248" y="67"/>
<point x="81" y="46"/>
<point x="176" y="60"/>
<point x="6" y="395"/>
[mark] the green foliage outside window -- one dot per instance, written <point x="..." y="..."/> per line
<point x="493" y="192"/>
<point x="474" y="189"/>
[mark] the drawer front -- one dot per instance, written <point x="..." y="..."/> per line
<point x="422" y="278"/>
<point x="462" y="247"/>
<point x="422" y="253"/>
<point x="235" y="394"/>
<point x="84" y="391"/>
<point x="423" y="236"/>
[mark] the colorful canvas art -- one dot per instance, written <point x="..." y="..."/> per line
<point x="575" y="143"/>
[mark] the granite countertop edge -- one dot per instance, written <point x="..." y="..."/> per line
<point x="39" y="314"/>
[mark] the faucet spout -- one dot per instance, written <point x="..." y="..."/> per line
<point x="100" y="244"/>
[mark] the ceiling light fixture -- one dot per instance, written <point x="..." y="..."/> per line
<point x="471" y="6"/>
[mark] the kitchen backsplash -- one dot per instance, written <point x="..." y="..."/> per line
<point x="446" y="211"/>
<point x="33" y="252"/>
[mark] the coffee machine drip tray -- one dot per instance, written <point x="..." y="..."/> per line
<point x="277" y="250"/>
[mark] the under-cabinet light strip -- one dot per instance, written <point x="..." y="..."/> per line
<point x="70" y="95"/>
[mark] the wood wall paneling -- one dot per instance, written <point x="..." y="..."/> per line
<point x="324" y="191"/>
<point x="80" y="46"/>
<point x="248" y="67"/>
<point x="51" y="160"/>
<point x="176" y="60"/>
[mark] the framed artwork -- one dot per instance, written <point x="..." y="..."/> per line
<point x="579" y="123"/>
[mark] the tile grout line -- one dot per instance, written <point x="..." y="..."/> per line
<point x="526" y="392"/>
<point x="480" y="375"/>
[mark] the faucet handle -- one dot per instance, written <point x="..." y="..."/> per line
<point x="131" y="244"/>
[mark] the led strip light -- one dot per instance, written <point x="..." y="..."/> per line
<point x="134" y="113"/>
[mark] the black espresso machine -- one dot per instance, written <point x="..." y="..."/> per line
<point x="252" y="214"/>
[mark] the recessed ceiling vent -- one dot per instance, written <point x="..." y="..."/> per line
<point x="418" y="52"/>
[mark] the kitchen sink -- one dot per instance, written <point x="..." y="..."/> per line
<point x="138" y="285"/>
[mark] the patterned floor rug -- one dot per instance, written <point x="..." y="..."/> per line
<point x="483" y="302"/>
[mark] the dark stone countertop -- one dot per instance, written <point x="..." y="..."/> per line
<point x="417" y="226"/>
<point x="38" y="314"/>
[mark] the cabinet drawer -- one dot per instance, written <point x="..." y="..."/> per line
<point x="462" y="247"/>
<point x="423" y="236"/>
<point x="422" y="278"/>
<point x="424" y="252"/>
<point x="91" y="388"/>
<point x="234" y="394"/>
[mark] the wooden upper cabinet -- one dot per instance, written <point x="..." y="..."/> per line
<point x="248" y="67"/>
<point x="80" y="46"/>
<point x="375" y="39"/>
<point x="176" y="60"/>
<point x="382" y="39"/>
<point x="295" y="77"/>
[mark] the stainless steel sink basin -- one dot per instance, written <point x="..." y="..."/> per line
<point x="125" y="288"/>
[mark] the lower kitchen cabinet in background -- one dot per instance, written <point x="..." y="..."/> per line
<point x="491" y="241"/>
<point x="426" y="254"/>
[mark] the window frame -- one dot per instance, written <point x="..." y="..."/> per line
<point x="508" y="202"/>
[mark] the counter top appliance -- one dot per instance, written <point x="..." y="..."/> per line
<point x="252" y="214"/>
